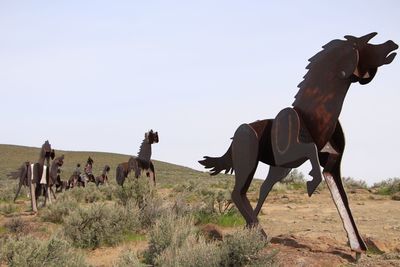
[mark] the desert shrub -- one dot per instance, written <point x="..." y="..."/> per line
<point x="138" y="194"/>
<point x="59" y="210"/>
<point x="352" y="183"/>
<point x="295" y="180"/>
<point x="99" y="225"/>
<point x="93" y="195"/>
<point x="185" y="187"/>
<point x="151" y="210"/>
<point x="294" y="177"/>
<point x="108" y="191"/>
<point x="8" y="189"/>
<point x="388" y="187"/>
<point x="78" y="193"/>
<point x="169" y="231"/>
<point x="245" y="247"/>
<point x="88" y="194"/>
<point x="174" y="242"/>
<point x="194" y="252"/>
<point x="7" y="209"/>
<point x="28" y="251"/>
<point x="138" y="190"/>
<point x="16" y="225"/>
<point x="128" y="258"/>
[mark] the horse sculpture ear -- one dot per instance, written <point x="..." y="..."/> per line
<point x="348" y="61"/>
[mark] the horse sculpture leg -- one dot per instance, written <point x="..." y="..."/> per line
<point x="290" y="150"/>
<point x="153" y="172"/>
<point x="245" y="160"/>
<point x="23" y="175"/>
<point x="18" y="190"/>
<point x="333" y="179"/>
<point x="275" y="174"/>
<point x="32" y="183"/>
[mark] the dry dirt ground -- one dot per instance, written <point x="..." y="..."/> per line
<point x="308" y="231"/>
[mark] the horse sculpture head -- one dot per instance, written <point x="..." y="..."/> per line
<point x="47" y="152"/>
<point x="59" y="160"/>
<point x="342" y="62"/>
<point x="106" y="169"/>
<point x="368" y="57"/>
<point x="89" y="161"/>
<point x="151" y="137"/>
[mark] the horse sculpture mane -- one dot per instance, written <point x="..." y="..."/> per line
<point x="140" y="164"/>
<point x="145" y="147"/>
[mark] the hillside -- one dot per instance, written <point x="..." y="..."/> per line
<point x="12" y="156"/>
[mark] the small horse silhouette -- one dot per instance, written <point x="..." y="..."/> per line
<point x="140" y="164"/>
<point x="310" y="130"/>
<point x="103" y="178"/>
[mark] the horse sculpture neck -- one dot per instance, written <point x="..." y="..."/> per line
<point x="321" y="94"/>
<point x="320" y="111"/>
<point x="145" y="150"/>
<point x="42" y="157"/>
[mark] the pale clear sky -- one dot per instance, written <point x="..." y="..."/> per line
<point x="95" y="75"/>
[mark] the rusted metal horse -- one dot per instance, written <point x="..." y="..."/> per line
<point x="54" y="173"/>
<point x="103" y="178"/>
<point x="88" y="171"/>
<point x="36" y="176"/>
<point x="140" y="164"/>
<point x="310" y="130"/>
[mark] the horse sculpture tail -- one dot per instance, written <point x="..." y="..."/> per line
<point x="20" y="172"/>
<point x="219" y="164"/>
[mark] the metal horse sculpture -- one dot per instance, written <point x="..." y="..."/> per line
<point x="54" y="173"/>
<point x="103" y="178"/>
<point x="88" y="171"/>
<point x="31" y="174"/>
<point x="310" y="130"/>
<point x="140" y="164"/>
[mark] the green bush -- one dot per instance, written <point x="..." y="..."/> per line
<point x="388" y="187"/>
<point x="99" y="225"/>
<point x="59" y="209"/>
<point x="230" y="219"/>
<point x="28" y="251"/>
<point x="137" y="190"/>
